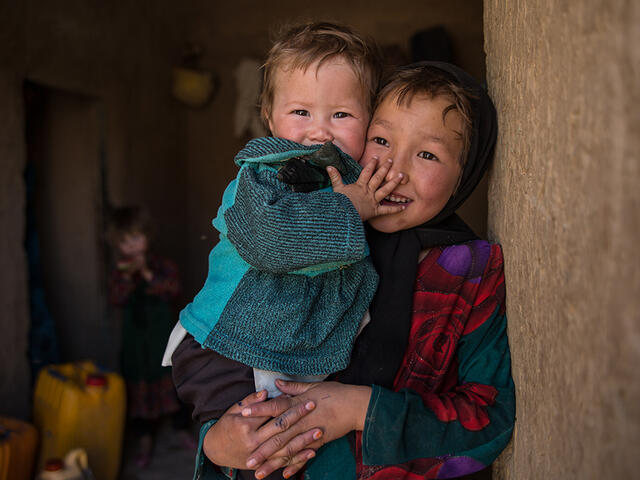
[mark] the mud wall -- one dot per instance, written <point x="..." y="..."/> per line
<point x="565" y="204"/>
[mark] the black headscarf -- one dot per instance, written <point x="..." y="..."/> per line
<point x="380" y="348"/>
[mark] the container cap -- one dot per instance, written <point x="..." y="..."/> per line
<point x="53" y="465"/>
<point x="96" y="380"/>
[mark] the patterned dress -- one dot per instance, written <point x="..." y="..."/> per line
<point x="147" y="319"/>
<point x="452" y="409"/>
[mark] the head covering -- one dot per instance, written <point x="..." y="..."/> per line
<point x="380" y="348"/>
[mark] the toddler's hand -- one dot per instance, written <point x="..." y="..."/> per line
<point x="367" y="193"/>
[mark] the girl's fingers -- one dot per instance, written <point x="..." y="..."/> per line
<point x="278" y="434"/>
<point x="251" y="399"/>
<point x="270" y="466"/>
<point x="367" y="172"/>
<point x="293" y="388"/>
<point x="273" y="408"/>
<point x="389" y="209"/>
<point x="294" y="455"/>
<point x="378" y="178"/>
<point x="387" y="188"/>
<point x="298" y="462"/>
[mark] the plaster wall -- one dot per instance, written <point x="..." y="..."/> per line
<point x="229" y="31"/>
<point x="565" y="204"/>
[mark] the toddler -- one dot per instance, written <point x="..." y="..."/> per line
<point x="290" y="279"/>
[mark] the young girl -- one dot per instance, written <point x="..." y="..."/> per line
<point x="428" y="393"/>
<point x="143" y="286"/>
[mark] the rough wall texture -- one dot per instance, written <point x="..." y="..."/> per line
<point x="564" y="202"/>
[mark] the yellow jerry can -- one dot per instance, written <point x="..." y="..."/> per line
<point x="18" y="442"/>
<point x="78" y="405"/>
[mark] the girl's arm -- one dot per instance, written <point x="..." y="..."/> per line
<point x="277" y="230"/>
<point x="219" y="388"/>
<point x="461" y="426"/>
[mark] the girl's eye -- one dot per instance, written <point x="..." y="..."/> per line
<point x="340" y="115"/>
<point x="302" y="113"/>
<point x="427" y="155"/>
<point x="381" y="141"/>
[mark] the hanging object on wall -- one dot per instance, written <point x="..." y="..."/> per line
<point x="248" y="76"/>
<point x="193" y="85"/>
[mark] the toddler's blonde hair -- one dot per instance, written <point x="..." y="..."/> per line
<point x="303" y="45"/>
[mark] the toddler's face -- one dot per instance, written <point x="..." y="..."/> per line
<point x="321" y="104"/>
<point x="423" y="147"/>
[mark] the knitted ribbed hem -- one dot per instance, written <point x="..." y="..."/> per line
<point x="324" y="364"/>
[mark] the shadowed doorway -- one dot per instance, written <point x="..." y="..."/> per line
<point x="65" y="211"/>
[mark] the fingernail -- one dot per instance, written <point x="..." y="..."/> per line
<point x="260" y="475"/>
<point x="317" y="435"/>
<point x="246" y="412"/>
<point x="389" y="160"/>
<point x="311" y="454"/>
<point x="400" y="175"/>
<point x="286" y="474"/>
<point x="251" y="462"/>
<point x="310" y="405"/>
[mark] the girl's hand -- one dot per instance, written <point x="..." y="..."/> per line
<point x="367" y="193"/>
<point x="339" y="409"/>
<point x="233" y="438"/>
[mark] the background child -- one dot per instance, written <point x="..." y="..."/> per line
<point x="144" y="286"/>
<point x="428" y="393"/>
<point x="290" y="280"/>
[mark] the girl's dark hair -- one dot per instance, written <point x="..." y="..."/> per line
<point x="125" y="220"/>
<point x="407" y="82"/>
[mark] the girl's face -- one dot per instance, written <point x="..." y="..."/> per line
<point x="133" y="244"/>
<point x="425" y="148"/>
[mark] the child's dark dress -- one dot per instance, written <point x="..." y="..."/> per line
<point x="147" y="319"/>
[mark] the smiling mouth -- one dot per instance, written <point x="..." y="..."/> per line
<point x="395" y="200"/>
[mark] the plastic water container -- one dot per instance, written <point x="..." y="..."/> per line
<point x="78" y="405"/>
<point x="75" y="466"/>
<point x="18" y="442"/>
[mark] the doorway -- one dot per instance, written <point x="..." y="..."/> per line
<point x="66" y="212"/>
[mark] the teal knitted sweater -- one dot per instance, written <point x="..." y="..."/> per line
<point x="290" y="278"/>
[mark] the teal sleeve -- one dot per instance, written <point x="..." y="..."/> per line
<point x="204" y="469"/>
<point x="276" y="230"/>
<point x="472" y="421"/>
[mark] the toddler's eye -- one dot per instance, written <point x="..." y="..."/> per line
<point x="427" y="155"/>
<point x="302" y="113"/>
<point x="340" y="115"/>
<point x="381" y="141"/>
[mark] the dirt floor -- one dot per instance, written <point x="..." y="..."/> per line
<point x="170" y="460"/>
